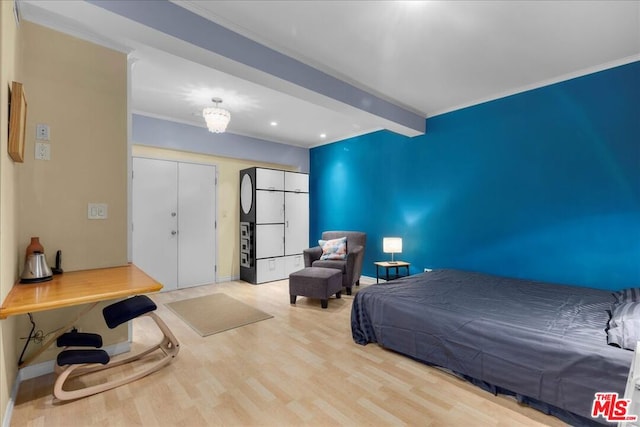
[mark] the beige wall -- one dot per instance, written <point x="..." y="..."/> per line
<point x="9" y="38"/>
<point x="228" y="200"/>
<point x="80" y="90"/>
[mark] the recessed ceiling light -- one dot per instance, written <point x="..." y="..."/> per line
<point x="274" y="123"/>
<point x="323" y="135"/>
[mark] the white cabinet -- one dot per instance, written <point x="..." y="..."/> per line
<point x="269" y="207"/>
<point x="296" y="182"/>
<point x="270" y="269"/>
<point x="296" y="227"/>
<point x="269" y="240"/>
<point x="173" y="211"/>
<point x="274" y="223"/>
<point x="269" y="179"/>
<point x="293" y="263"/>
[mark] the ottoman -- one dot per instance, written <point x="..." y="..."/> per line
<point x="315" y="282"/>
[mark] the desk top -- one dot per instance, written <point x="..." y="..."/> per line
<point x="77" y="287"/>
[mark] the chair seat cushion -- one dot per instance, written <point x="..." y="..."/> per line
<point x="331" y="263"/>
<point x="79" y="339"/>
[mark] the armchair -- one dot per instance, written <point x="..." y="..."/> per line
<point x="351" y="267"/>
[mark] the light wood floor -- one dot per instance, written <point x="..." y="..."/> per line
<point x="300" y="367"/>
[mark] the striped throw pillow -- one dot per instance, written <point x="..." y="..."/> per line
<point x="627" y="295"/>
<point x="624" y="326"/>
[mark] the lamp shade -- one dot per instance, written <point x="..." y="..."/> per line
<point x="392" y="245"/>
<point x="217" y="119"/>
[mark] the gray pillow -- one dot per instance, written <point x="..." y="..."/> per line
<point x="624" y="325"/>
<point x="627" y="295"/>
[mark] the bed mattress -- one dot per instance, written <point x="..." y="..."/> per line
<point x="543" y="342"/>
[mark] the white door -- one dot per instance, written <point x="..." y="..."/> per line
<point x="296" y="225"/>
<point x="155" y="222"/>
<point x="196" y="224"/>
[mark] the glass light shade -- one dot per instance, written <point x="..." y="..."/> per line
<point x="392" y="245"/>
<point x="217" y="119"/>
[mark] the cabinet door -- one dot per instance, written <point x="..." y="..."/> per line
<point x="293" y="263"/>
<point x="269" y="207"/>
<point x="270" y="269"/>
<point x="155" y="226"/>
<point x="269" y="179"/>
<point x="196" y="224"/>
<point x="296" y="231"/>
<point x="269" y="240"/>
<point x="296" y="182"/>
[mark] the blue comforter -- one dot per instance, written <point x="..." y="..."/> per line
<point x="546" y="343"/>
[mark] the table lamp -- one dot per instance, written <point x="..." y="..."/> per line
<point x="392" y="245"/>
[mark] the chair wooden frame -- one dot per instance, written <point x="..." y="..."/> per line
<point x="168" y="345"/>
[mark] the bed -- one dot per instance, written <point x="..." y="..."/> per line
<point x="544" y="343"/>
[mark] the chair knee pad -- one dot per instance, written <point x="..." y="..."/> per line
<point x="125" y="310"/>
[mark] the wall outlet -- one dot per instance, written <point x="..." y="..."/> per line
<point x="42" y="132"/>
<point x="43" y="151"/>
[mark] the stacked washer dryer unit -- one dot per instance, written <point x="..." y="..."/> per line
<point x="274" y="223"/>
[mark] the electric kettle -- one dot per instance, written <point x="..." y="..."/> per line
<point x="36" y="269"/>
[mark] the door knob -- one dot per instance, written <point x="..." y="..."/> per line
<point x="174" y="232"/>
<point x="173" y="214"/>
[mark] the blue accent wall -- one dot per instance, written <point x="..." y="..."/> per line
<point x="544" y="185"/>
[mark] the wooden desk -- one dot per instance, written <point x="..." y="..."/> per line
<point x="77" y="287"/>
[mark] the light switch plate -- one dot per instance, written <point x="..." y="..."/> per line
<point x="97" y="211"/>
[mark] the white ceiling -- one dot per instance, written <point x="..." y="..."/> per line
<point x="426" y="57"/>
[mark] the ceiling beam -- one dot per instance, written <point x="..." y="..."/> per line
<point x="291" y="76"/>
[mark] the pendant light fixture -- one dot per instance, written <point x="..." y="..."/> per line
<point x="217" y="118"/>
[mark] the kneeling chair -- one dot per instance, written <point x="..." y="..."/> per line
<point x="75" y="360"/>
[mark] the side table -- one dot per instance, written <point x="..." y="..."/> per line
<point x="387" y="265"/>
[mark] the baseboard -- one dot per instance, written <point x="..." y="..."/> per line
<point x="367" y="280"/>
<point x="6" y="420"/>
<point x="44" y="368"/>
<point x="227" y="278"/>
